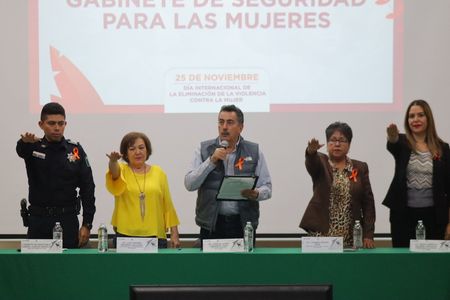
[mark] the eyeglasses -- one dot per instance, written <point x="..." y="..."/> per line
<point x="336" y="141"/>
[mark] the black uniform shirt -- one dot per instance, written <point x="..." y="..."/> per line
<point x="55" y="170"/>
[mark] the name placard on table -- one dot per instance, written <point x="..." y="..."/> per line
<point x="41" y="246"/>
<point x="223" y="245"/>
<point x="137" y="245"/>
<point x="429" y="246"/>
<point x="314" y="244"/>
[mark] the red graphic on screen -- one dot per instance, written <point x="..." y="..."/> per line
<point x="398" y="8"/>
<point x="77" y="93"/>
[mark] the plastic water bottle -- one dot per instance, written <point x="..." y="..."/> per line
<point x="248" y="237"/>
<point x="420" y="231"/>
<point x="102" y="238"/>
<point x="357" y="235"/>
<point x="58" y="232"/>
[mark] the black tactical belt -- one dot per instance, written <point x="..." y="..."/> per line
<point x="51" y="211"/>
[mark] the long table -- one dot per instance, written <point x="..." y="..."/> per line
<point x="382" y="273"/>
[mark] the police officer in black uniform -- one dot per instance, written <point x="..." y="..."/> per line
<point x="59" y="179"/>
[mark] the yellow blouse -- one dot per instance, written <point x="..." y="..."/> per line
<point x="160" y="213"/>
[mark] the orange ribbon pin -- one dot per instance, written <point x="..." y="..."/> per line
<point x="75" y="153"/>
<point x="354" y="175"/>
<point x="240" y="164"/>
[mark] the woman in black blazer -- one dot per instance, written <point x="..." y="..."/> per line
<point x="420" y="189"/>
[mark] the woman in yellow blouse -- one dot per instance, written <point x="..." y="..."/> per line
<point x="143" y="205"/>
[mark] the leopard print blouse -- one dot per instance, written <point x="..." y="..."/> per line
<point x="341" y="218"/>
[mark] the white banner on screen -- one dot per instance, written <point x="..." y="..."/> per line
<point x="196" y="55"/>
<point x="205" y="90"/>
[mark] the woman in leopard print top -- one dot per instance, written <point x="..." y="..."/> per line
<point x="341" y="189"/>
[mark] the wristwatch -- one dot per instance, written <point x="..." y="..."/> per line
<point x="87" y="225"/>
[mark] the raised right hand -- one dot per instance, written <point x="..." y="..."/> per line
<point x="114" y="156"/>
<point x="313" y="146"/>
<point x="392" y="133"/>
<point x="29" y="137"/>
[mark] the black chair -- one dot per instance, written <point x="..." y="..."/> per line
<point x="234" y="292"/>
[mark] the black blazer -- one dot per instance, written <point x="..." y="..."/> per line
<point x="396" y="198"/>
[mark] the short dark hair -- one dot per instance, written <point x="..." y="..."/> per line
<point x="129" y="139"/>
<point x="52" y="108"/>
<point x="234" y="108"/>
<point x="341" y="127"/>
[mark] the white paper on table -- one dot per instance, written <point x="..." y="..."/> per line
<point x="322" y="244"/>
<point x="223" y="245"/>
<point x="137" y="245"/>
<point x="429" y="246"/>
<point x="41" y="246"/>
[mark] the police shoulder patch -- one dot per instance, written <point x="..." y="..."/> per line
<point x="87" y="162"/>
<point x="73" y="142"/>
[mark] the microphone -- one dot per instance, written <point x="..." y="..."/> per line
<point x="24" y="212"/>
<point x="224" y="144"/>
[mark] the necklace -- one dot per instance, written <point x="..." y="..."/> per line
<point x="141" y="192"/>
